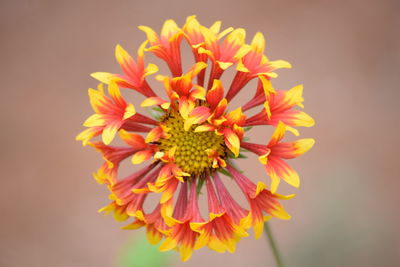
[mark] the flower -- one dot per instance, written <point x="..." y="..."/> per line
<point x="193" y="136"/>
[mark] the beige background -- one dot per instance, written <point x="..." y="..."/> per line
<point x="346" y="53"/>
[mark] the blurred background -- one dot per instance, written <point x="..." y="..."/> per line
<point x="347" y="55"/>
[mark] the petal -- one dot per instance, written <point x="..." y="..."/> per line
<point x="224" y="65"/>
<point x="198" y="93"/>
<point x="134" y="140"/>
<point x="267" y="110"/>
<point x="168" y="191"/>
<point x="293" y="149"/>
<point x="275" y="181"/>
<point x="280" y="64"/>
<point x="153" y="235"/>
<point x="277" y="168"/>
<point x="169" y="29"/>
<point x="151" y="69"/>
<point x="95" y="120"/>
<point x="98" y="99"/>
<point x="115" y="94"/>
<point x="243" y="50"/>
<point x="124" y="59"/>
<point x="216" y="27"/>
<point x="88" y="134"/>
<point x="216" y="245"/>
<point x="215" y="94"/>
<point x="258" y="43"/>
<point x="235" y="39"/>
<point x="280" y="213"/>
<point x="278" y="134"/>
<point x="293" y="118"/>
<point x="241" y="67"/>
<point x="155" y="101"/>
<point x="220" y="108"/>
<point x="260" y="187"/>
<point x="185" y="107"/>
<point x="303" y="145"/>
<point x="235" y="117"/>
<point x="295" y="96"/>
<point x="263" y="159"/>
<point x="267" y="85"/>
<point x="109" y="132"/>
<point x="192" y="30"/>
<point x="206" y="51"/>
<point x="258" y="227"/>
<point x="151" y="35"/>
<point x="85" y="136"/>
<point x="204" y="128"/>
<point x="141" y="156"/>
<point x="135" y="225"/>
<point x="182" y="85"/>
<point x="196" y="69"/>
<point x="223" y="33"/>
<point x="283" y="197"/>
<point x="232" y="141"/>
<point x="197" y="116"/>
<point x="185" y="252"/>
<point x="129" y="111"/>
<point x="169" y="243"/>
<point x="154" y="135"/>
<point x="140" y="53"/>
<point x="104" y="77"/>
<point x="292" y="130"/>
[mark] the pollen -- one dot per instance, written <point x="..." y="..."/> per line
<point x="191" y="147"/>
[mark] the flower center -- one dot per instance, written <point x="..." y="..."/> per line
<point x="191" y="147"/>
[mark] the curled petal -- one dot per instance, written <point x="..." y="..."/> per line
<point x="198" y="93"/>
<point x="156" y="133"/>
<point x="235" y="117"/>
<point x="197" y="116"/>
<point x="215" y="94"/>
<point x="232" y="141"/>
<point x="185" y="107"/>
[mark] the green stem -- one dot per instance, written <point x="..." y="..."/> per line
<point x="274" y="247"/>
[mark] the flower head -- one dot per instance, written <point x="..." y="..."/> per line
<point x="194" y="136"/>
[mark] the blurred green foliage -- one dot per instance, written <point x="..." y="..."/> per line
<point x="137" y="252"/>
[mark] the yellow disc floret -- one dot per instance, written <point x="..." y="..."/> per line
<point x="191" y="147"/>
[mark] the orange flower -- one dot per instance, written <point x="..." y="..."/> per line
<point x="193" y="135"/>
